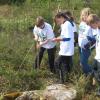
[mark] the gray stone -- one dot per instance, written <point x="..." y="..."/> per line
<point x="52" y="92"/>
<point x="59" y="92"/>
<point x="28" y="95"/>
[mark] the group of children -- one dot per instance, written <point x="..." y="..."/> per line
<point x="87" y="40"/>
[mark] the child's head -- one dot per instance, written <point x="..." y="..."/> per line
<point x="69" y="15"/>
<point x="60" y="18"/>
<point x="40" y="22"/>
<point x="85" y="13"/>
<point x="93" y="20"/>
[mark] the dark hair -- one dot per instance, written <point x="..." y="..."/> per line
<point x="61" y="14"/>
<point x="69" y="15"/>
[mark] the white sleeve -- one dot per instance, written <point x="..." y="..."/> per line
<point x="35" y="31"/>
<point x="94" y="31"/>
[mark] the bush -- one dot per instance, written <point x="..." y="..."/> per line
<point x="17" y="2"/>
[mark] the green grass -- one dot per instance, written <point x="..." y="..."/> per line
<point x="16" y="40"/>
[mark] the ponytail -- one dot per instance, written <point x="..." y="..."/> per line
<point x="61" y="14"/>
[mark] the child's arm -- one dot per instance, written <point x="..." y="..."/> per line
<point x="39" y="44"/>
<point x="58" y="39"/>
<point x="42" y="43"/>
<point x="36" y="37"/>
<point x="93" y="38"/>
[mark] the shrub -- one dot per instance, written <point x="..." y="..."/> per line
<point x="17" y="2"/>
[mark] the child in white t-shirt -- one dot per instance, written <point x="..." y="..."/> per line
<point x="94" y="21"/>
<point x="66" y="39"/>
<point x="71" y="19"/>
<point x="85" y="32"/>
<point x="43" y="33"/>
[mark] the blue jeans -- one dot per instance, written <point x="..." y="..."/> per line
<point x="84" y="56"/>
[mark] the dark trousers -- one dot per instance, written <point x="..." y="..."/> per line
<point x="51" y="57"/>
<point x="63" y="65"/>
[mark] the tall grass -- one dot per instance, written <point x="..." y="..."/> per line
<point x="16" y="39"/>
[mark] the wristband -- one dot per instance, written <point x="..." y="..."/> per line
<point x="66" y="39"/>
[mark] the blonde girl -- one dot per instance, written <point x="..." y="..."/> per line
<point x="85" y="32"/>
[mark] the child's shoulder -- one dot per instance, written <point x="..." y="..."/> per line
<point x="36" y="29"/>
<point x="68" y="23"/>
<point x="82" y="23"/>
<point x="47" y="24"/>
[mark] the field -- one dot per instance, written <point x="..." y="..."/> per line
<point x="17" y="47"/>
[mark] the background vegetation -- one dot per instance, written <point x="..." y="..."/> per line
<point x="17" y="18"/>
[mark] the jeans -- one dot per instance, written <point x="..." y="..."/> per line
<point x="51" y="57"/>
<point x="62" y="65"/>
<point x="84" y="57"/>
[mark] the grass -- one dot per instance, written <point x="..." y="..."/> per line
<point x="16" y="39"/>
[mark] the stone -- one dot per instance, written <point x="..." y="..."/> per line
<point x="12" y="96"/>
<point x="59" y="92"/>
<point x="52" y="92"/>
<point x="28" y="95"/>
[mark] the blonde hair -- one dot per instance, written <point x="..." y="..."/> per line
<point x="93" y="18"/>
<point x="85" y="12"/>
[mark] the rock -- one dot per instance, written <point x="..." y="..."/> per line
<point x="12" y="96"/>
<point x="28" y="95"/>
<point x="59" y="92"/>
<point x="52" y="92"/>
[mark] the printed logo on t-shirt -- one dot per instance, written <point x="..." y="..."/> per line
<point x="81" y="31"/>
<point x="42" y="36"/>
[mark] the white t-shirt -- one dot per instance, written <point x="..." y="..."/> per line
<point x="67" y="47"/>
<point x="44" y="34"/>
<point x="97" y="57"/>
<point x="84" y="31"/>
<point x="94" y="32"/>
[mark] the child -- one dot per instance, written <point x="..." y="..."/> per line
<point x="71" y="19"/>
<point x="43" y="32"/>
<point x="94" y="21"/>
<point x="85" y="31"/>
<point x="66" y="52"/>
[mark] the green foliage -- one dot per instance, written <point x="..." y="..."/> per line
<point x="16" y="41"/>
<point x="17" y="2"/>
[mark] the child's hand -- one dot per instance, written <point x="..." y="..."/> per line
<point x="53" y="40"/>
<point x="46" y="41"/>
<point x="56" y="39"/>
<point x="38" y="46"/>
